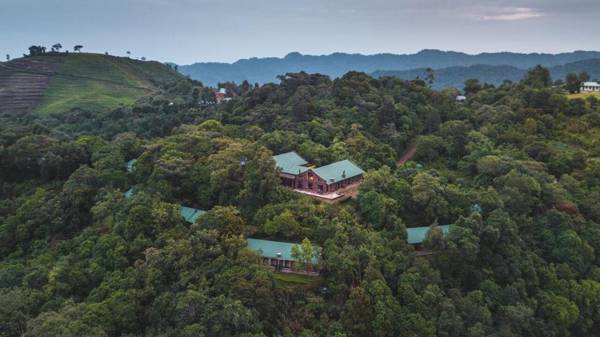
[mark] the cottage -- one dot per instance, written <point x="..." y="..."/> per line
<point x="276" y="253"/>
<point x="590" y="87"/>
<point x="295" y="173"/>
<point x="416" y="236"/>
<point x="461" y="98"/>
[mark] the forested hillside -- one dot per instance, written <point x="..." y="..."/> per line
<point x="454" y="77"/>
<point x="515" y="169"/>
<point x="61" y="82"/>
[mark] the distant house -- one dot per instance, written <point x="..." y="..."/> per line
<point x="295" y="173"/>
<point x="220" y="95"/>
<point x="276" y="254"/>
<point x="461" y="98"/>
<point x="590" y="87"/>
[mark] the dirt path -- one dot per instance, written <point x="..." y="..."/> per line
<point x="408" y="155"/>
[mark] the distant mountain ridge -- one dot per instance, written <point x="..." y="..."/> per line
<point x="493" y="74"/>
<point x="264" y="70"/>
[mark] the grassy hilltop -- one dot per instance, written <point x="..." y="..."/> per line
<point x="59" y="83"/>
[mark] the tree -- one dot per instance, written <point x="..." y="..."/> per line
<point x="37" y="50"/>
<point x="226" y="220"/>
<point x="284" y="224"/>
<point x="15" y="311"/>
<point x="56" y="47"/>
<point x="304" y="254"/>
<point x="572" y="83"/>
<point x="538" y="77"/>
<point x="429" y="77"/>
<point x="77" y="48"/>
<point x="69" y="321"/>
<point x="429" y="148"/>
<point x="128" y="53"/>
<point x="559" y="310"/>
<point x="7" y="57"/>
<point x="143" y="58"/>
<point x="195" y="96"/>
<point x="472" y="86"/>
<point x="428" y="193"/>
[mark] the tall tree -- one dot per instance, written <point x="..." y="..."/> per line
<point x="538" y="77"/>
<point x="304" y="254"/>
<point x="472" y="86"/>
<point x="584" y="77"/>
<point x="572" y="83"/>
<point x="56" y="47"/>
<point x="37" y="50"/>
<point x="77" y="48"/>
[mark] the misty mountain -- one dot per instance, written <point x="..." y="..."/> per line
<point x="263" y="70"/>
<point x="456" y="76"/>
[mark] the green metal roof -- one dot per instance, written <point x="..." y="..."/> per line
<point x="191" y="214"/>
<point x="129" y="193"/>
<point x="130" y="165"/>
<point x="290" y="163"/>
<point x="270" y="249"/>
<point x="417" y="235"/>
<point x="338" y="171"/>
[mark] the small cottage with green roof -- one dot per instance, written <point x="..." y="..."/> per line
<point x="417" y="235"/>
<point x="277" y="254"/>
<point x="190" y="214"/>
<point x="295" y="173"/>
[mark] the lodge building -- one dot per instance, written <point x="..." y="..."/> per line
<point x="295" y="174"/>
<point x="590" y="87"/>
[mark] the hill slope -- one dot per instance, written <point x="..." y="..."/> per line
<point x="456" y="76"/>
<point x="59" y="83"/>
<point x="263" y="70"/>
<point x="21" y="90"/>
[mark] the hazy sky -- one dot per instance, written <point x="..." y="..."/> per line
<point x="187" y="31"/>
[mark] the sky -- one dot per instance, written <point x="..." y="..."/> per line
<point x="188" y="31"/>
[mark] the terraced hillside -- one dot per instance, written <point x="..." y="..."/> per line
<point x="59" y="83"/>
<point x="23" y="83"/>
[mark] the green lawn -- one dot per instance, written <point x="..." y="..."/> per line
<point x="287" y="279"/>
<point x="98" y="83"/>
<point x="584" y="95"/>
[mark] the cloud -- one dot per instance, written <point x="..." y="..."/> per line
<point x="513" y="14"/>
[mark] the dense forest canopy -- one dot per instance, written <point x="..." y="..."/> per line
<point x="515" y="169"/>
